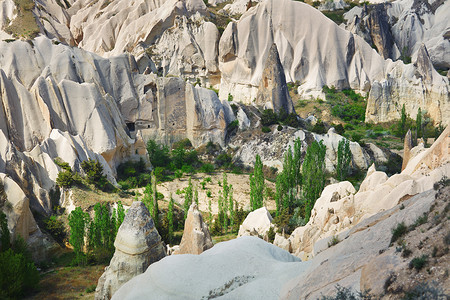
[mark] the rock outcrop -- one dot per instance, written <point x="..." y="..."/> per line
<point x="339" y="208"/>
<point x="138" y="245"/>
<point x="316" y="52"/>
<point x="196" y="237"/>
<point x="257" y="223"/>
<point x="407" y="146"/>
<point x="404" y="27"/>
<point x="249" y="268"/>
<point x="273" y="92"/>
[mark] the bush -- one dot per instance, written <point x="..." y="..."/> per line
<point x="398" y="231"/>
<point x="233" y="126"/>
<point x="319" y="127"/>
<point x="268" y="117"/>
<point x="334" y="241"/>
<point x="94" y="173"/>
<point x="425" y="290"/>
<point x="265" y="129"/>
<point x="418" y="262"/>
<point x="223" y="160"/>
<point x="65" y="179"/>
<point x="207" y="168"/>
<point x="56" y="228"/>
<point x="158" y="154"/>
<point x="344" y="293"/>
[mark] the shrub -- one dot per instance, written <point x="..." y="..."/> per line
<point x="319" y="127"/>
<point x="339" y="129"/>
<point x="344" y="293"/>
<point x="91" y="288"/>
<point x="65" y="179"/>
<point x="94" y="173"/>
<point x="425" y="290"/>
<point x="279" y="128"/>
<point x="56" y="228"/>
<point x="233" y="126"/>
<point x="265" y="129"/>
<point x="334" y="240"/>
<point x="418" y="262"/>
<point x="268" y="117"/>
<point x="223" y="159"/>
<point x="398" y="231"/>
<point x="230" y="97"/>
<point x="158" y="154"/>
<point x="271" y="235"/>
<point x="207" y="168"/>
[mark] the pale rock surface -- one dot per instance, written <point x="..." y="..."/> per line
<point x="196" y="238"/>
<point x="411" y="24"/>
<point x="244" y="122"/>
<point x="282" y="242"/>
<point x="243" y="268"/>
<point x="21" y="221"/>
<point x="249" y="268"/>
<point x="377" y="193"/>
<point x="315" y="51"/>
<point x="272" y="91"/>
<point x="138" y="245"/>
<point x="407" y="146"/>
<point x="238" y="7"/>
<point x="258" y="223"/>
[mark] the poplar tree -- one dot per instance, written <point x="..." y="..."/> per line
<point x="344" y="158"/>
<point x="419" y="123"/>
<point x="170" y="218"/>
<point x="313" y="175"/>
<point x="257" y="185"/>
<point x="155" y="213"/>
<point x="188" y="197"/>
<point x="78" y="222"/>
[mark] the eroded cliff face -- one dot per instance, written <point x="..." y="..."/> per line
<point x="61" y="101"/>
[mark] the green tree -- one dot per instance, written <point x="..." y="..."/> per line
<point x="288" y="184"/>
<point x="155" y="212"/>
<point x="94" y="173"/>
<point x="419" y="123"/>
<point x="402" y="124"/>
<point x="5" y="236"/>
<point x="65" y="179"/>
<point x="158" y="154"/>
<point x="148" y="198"/>
<point x="257" y="185"/>
<point x="313" y="175"/>
<point x="344" y="158"/>
<point x="78" y="222"/>
<point x="188" y="197"/>
<point x="170" y="218"/>
<point x="120" y="215"/>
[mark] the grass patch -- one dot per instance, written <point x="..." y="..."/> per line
<point x="24" y="25"/>
<point x="399" y="231"/>
<point x="334" y="241"/>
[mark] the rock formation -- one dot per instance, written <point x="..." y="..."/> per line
<point x="273" y="92"/>
<point x="407" y="146"/>
<point x="249" y="268"/>
<point x="340" y="208"/>
<point x="196" y="237"/>
<point x="138" y="245"/>
<point x="257" y="223"/>
<point x="405" y="26"/>
<point x="316" y="52"/>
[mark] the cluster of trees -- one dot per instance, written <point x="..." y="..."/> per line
<point x="93" y="239"/>
<point x="422" y="127"/>
<point x="298" y="185"/>
<point x="94" y="175"/>
<point x="18" y="274"/>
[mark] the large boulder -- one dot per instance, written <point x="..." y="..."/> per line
<point x="138" y="245"/>
<point x="196" y="237"/>
<point x="257" y="223"/>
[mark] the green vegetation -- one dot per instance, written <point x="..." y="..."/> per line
<point x="170" y="219"/>
<point x="344" y="159"/>
<point x="399" y="231"/>
<point x="257" y="185"/>
<point x="24" y="25"/>
<point x="334" y="241"/>
<point x="346" y="104"/>
<point x="269" y="117"/>
<point x="133" y="174"/>
<point x="313" y="175"/>
<point x="344" y="293"/>
<point x="99" y="233"/>
<point x="18" y="274"/>
<point x="418" y="262"/>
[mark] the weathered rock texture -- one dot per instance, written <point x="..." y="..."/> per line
<point x="340" y="208"/>
<point x="138" y="245"/>
<point x="401" y="27"/>
<point x="273" y="92"/>
<point x="257" y="223"/>
<point x="315" y="52"/>
<point x="249" y="268"/>
<point x="407" y="146"/>
<point x="196" y="237"/>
